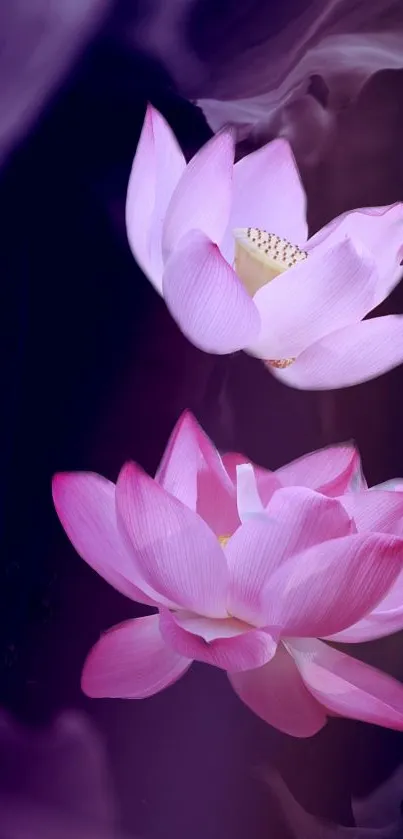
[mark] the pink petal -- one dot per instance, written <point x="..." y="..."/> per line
<point x="268" y="194"/>
<point x="131" y="661"/>
<point x="296" y="518"/>
<point x="385" y="619"/>
<point x="177" y="552"/>
<point x="394" y="484"/>
<point x="349" y="356"/>
<point x="206" y="298"/>
<point x="231" y="460"/>
<point x="377" y="510"/>
<point x="331" y="586"/>
<point x="348" y="687"/>
<point x="241" y="649"/>
<point x="378" y="624"/>
<point x="192" y="470"/>
<point x="323" y="293"/>
<point x="332" y="470"/>
<point x="267" y="482"/>
<point x="202" y="198"/>
<point x="157" y="168"/>
<point x="277" y="694"/>
<point x="248" y="497"/>
<point x="380" y="230"/>
<point x="85" y="504"/>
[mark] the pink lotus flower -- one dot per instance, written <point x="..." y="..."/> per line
<point x="227" y="247"/>
<point x="251" y="600"/>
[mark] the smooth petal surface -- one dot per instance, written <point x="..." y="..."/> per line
<point x="157" y="168"/>
<point x="131" y="661"/>
<point x="331" y="471"/>
<point x="231" y="460"/>
<point x="235" y="646"/>
<point x="192" y="470"/>
<point x="266" y="481"/>
<point x="248" y="499"/>
<point x="380" y="229"/>
<point x="331" y="586"/>
<point x="296" y="518"/>
<point x="85" y="504"/>
<point x="394" y="484"/>
<point x="348" y="687"/>
<point x="177" y="552"/>
<point x="375" y="510"/>
<point x="206" y="298"/>
<point x="277" y="694"/>
<point x="268" y="194"/>
<point x="202" y="198"/>
<point x="319" y="295"/>
<point x="349" y="356"/>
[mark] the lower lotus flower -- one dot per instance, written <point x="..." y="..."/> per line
<point x="252" y="602"/>
<point x="227" y="246"/>
<point x="224" y="490"/>
<point x="228" y="490"/>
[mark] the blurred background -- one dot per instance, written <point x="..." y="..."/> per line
<point x="94" y="371"/>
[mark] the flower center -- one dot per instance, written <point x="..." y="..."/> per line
<point x="223" y="540"/>
<point x="259" y="258"/>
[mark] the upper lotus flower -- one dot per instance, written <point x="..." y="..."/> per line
<point x="227" y="246"/>
<point x="251" y="600"/>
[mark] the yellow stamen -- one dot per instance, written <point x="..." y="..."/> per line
<point x="223" y="540"/>
<point x="280" y="363"/>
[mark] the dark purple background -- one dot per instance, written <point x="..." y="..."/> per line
<point x="96" y="373"/>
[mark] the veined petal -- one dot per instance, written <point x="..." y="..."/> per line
<point x="380" y="229"/>
<point x="277" y="694"/>
<point x="131" y="661"/>
<point x="385" y="619"/>
<point x="349" y="356"/>
<point x="326" y="292"/>
<point x="85" y="504"/>
<point x="192" y="470"/>
<point x="348" y="687"/>
<point x="206" y="298"/>
<point x="157" y="167"/>
<point x="202" y="198"/>
<point x="331" y="471"/>
<point x="375" y="510"/>
<point x="296" y="518"/>
<point x="177" y="552"/>
<point x="378" y="624"/>
<point x="241" y="648"/>
<point x="331" y="586"/>
<point x="268" y="194"/>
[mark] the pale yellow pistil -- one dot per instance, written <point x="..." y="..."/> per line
<point x="259" y="258"/>
<point x="223" y="540"/>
